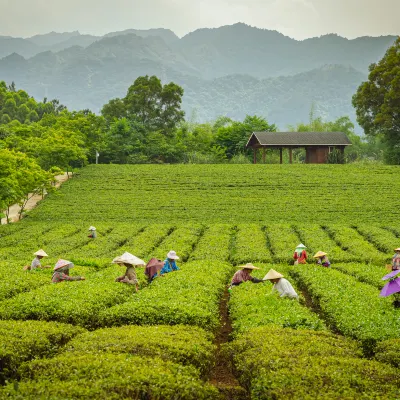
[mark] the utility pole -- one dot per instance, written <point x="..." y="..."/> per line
<point x="97" y="157"/>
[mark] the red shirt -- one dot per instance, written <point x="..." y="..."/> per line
<point x="302" y="258"/>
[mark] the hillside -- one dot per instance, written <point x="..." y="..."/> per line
<point x="232" y="70"/>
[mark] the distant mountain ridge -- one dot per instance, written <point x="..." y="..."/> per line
<point x="232" y="70"/>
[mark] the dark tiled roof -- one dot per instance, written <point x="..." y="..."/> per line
<point x="300" y="138"/>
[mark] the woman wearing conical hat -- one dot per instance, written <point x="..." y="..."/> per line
<point x="36" y="261"/>
<point x="61" y="272"/>
<point x="396" y="260"/>
<point x="244" y="275"/>
<point x="281" y="285"/>
<point x="322" y="259"/>
<point x="92" y="233"/>
<point x="130" y="262"/>
<point x="300" y="254"/>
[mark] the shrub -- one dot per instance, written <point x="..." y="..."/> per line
<point x="181" y="344"/>
<point x="275" y="363"/>
<point x="388" y="351"/>
<point x="24" y="340"/>
<point x="109" y="376"/>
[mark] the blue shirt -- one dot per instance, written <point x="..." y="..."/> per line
<point x="169" y="266"/>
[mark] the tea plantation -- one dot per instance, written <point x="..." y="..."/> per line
<point x="182" y="337"/>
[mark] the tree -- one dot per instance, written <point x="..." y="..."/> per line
<point x="234" y="137"/>
<point x="377" y="102"/>
<point x="156" y="107"/>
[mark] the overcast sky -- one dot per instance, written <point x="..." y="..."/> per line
<point x="295" y="18"/>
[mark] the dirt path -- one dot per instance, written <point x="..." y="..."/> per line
<point x="221" y="376"/>
<point x="14" y="209"/>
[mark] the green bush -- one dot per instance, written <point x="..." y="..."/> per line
<point x="353" y="308"/>
<point x="24" y="340"/>
<point x="275" y="363"/>
<point x="190" y="296"/>
<point x="70" y="302"/>
<point x="180" y="344"/>
<point x="108" y="376"/>
<point x="388" y="351"/>
<point x="253" y="305"/>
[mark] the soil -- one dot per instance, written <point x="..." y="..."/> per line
<point x="14" y="209"/>
<point x="222" y="376"/>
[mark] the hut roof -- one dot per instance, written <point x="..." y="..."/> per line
<point x="298" y="139"/>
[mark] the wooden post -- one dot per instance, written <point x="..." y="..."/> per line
<point x="263" y="155"/>
<point x="281" y="155"/>
<point x="290" y="155"/>
<point x="255" y="155"/>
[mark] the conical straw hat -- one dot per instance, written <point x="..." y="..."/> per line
<point x="398" y="249"/>
<point x="301" y="246"/>
<point x="248" y="266"/>
<point x="63" y="263"/>
<point x="41" y="252"/>
<point x="92" y="228"/>
<point x="128" y="258"/>
<point x="272" y="274"/>
<point x="319" y="254"/>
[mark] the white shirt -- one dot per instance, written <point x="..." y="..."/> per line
<point x="35" y="263"/>
<point x="285" y="289"/>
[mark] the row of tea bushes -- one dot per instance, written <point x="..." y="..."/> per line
<point x="366" y="273"/>
<point x="78" y="302"/>
<point x="276" y="363"/>
<point x="111" y="376"/>
<point x="253" y="305"/>
<point x="250" y="245"/>
<point x="25" y="340"/>
<point x="189" y="296"/>
<point x="186" y="345"/>
<point x="352" y="307"/>
<point x="214" y="244"/>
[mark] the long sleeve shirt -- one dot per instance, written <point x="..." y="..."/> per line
<point x="243" y="276"/>
<point x="285" y="289"/>
<point x="169" y="266"/>
<point x="396" y="262"/>
<point x="301" y="259"/>
<point x="61" y="276"/>
<point x="35" y="263"/>
<point x="130" y="277"/>
<point x="323" y="261"/>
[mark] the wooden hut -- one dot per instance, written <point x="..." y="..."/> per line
<point x="318" y="145"/>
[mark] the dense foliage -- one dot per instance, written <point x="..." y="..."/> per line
<point x="377" y="102"/>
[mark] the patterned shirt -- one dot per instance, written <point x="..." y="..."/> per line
<point x="169" y="266"/>
<point x="241" y="276"/>
<point x="129" y="277"/>
<point x="324" y="261"/>
<point x="396" y="262"/>
<point x="301" y="259"/>
<point x="35" y="263"/>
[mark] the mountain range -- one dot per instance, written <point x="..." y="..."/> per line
<point x="232" y="70"/>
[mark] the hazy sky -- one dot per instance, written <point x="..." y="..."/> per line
<point x="296" y="18"/>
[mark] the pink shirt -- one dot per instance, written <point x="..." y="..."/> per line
<point x="241" y="276"/>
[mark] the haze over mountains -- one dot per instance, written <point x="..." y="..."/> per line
<point x="233" y="70"/>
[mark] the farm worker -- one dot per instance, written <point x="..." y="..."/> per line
<point x="152" y="268"/>
<point x="36" y="261"/>
<point x="322" y="259"/>
<point x="281" y="284"/>
<point x="244" y="275"/>
<point x="92" y="233"/>
<point x="61" y="273"/>
<point x="130" y="262"/>
<point x="170" y="263"/>
<point x="396" y="260"/>
<point x="300" y="255"/>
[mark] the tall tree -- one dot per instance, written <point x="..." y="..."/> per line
<point x="156" y="107"/>
<point x="377" y="102"/>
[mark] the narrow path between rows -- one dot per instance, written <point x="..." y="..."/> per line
<point x="222" y="376"/>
